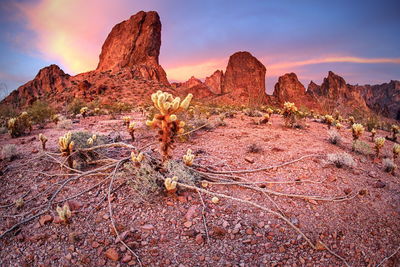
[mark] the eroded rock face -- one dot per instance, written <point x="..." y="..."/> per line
<point x="244" y="79"/>
<point x="135" y="44"/>
<point x="193" y="86"/>
<point x="288" y="88"/>
<point x="384" y="99"/>
<point x="48" y="81"/>
<point x="214" y="82"/>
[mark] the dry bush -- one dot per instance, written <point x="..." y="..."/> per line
<point x="388" y="165"/>
<point x="251" y="112"/>
<point x="341" y="160"/>
<point x="9" y="152"/>
<point x="362" y="147"/>
<point x="254" y="148"/>
<point x="40" y="112"/>
<point x="334" y="137"/>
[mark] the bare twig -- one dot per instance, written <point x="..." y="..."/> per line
<point x="388" y="257"/>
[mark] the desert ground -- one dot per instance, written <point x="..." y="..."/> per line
<point x="281" y="202"/>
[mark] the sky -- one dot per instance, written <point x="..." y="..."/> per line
<point x="359" y="40"/>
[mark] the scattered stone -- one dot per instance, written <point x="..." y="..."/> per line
<point x="147" y="227"/>
<point x="95" y="244"/>
<point x="74" y="205"/>
<point x="319" y="246"/>
<point x="68" y="256"/>
<point x="45" y="219"/>
<point x="127" y="258"/>
<point x="282" y="249"/>
<point x="379" y="184"/>
<point x="249" y="160"/>
<point x="199" y="239"/>
<point x="347" y="191"/>
<point x="249" y="231"/>
<point x="187" y="224"/>
<point x="112" y="254"/>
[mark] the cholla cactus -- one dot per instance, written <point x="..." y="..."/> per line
<point x="66" y="146"/>
<point x="339" y="126"/>
<point x="84" y="111"/>
<point x="396" y="151"/>
<point x="19" y="203"/>
<point x="357" y="130"/>
<point x="336" y="115"/>
<point x="167" y="122"/>
<point x="373" y="133"/>
<point x="17" y="126"/>
<point x="43" y="140"/>
<point x="379" y="142"/>
<point x="265" y="119"/>
<point x="188" y="158"/>
<point x="329" y="120"/>
<point x="269" y="111"/>
<point x="136" y="158"/>
<point x="126" y="120"/>
<point x="55" y="118"/>
<point x="170" y="184"/>
<point x="289" y="113"/>
<point x="395" y="132"/>
<point x="215" y="200"/>
<point x="90" y="141"/>
<point x="131" y="130"/>
<point x="64" y="213"/>
<point x="96" y="111"/>
<point x="351" y="120"/>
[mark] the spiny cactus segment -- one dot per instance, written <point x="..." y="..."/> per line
<point x="84" y="111"/>
<point x="329" y="120"/>
<point x="64" y="213"/>
<point x="396" y="151"/>
<point x="188" y="158"/>
<point x="66" y="146"/>
<point x="17" y="126"/>
<point x="166" y="121"/>
<point x="43" y="140"/>
<point x="131" y="130"/>
<point x="373" y="133"/>
<point x="126" y="120"/>
<point x="136" y="158"/>
<point x="170" y="184"/>
<point x="395" y="132"/>
<point x="357" y="130"/>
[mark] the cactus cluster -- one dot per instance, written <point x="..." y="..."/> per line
<point x="329" y="120"/>
<point x="136" y="158"/>
<point x="188" y="158"/>
<point x="166" y="121"/>
<point x="351" y="120"/>
<point x="395" y="132"/>
<point x="17" y="126"/>
<point x="289" y="113"/>
<point x="55" y="118"/>
<point x="126" y="120"/>
<point x="43" y="140"/>
<point x="91" y="140"/>
<point x="66" y="146"/>
<point x="64" y="213"/>
<point x="83" y="111"/>
<point x="269" y="111"/>
<point x="379" y="142"/>
<point x="170" y="184"/>
<point x="265" y="119"/>
<point x="339" y="126"/>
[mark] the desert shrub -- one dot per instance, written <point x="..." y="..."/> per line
<point x="362" y="147"/>
<point x="80" y="139"/>
<point x="389" y="165"/>
<point x="334" y="137"/>
<point x="251" y="112"/>
<point x="40" y="112"/>
<point x="118" y="108"/>
<point x="17" y="126"/>
<point x="9" y="152"/>
<point x="372" y="123"/>
<point x="341" y="160"/>
<point x="64" y="124"/>
<point x="75" y="106"/>
<point x="7" y="112"/>
<point x="254" y="148"/>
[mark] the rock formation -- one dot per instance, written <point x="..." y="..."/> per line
<point x="48" y="81"/>
<point x="135" y="44"/>
<point x="244" y="79"/>
<point x="214" y="82"/>
<point x="384" y="99"/>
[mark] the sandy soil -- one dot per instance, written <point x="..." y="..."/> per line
<point x="169" y="230"/>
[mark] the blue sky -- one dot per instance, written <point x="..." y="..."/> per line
<point x="359" y="40"/>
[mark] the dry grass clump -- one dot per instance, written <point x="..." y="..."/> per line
<point x="334" y="137"/>
<point x="9" y="152"/>
<point x="389" y="165"/>
<point x="254" y="148"/>
<point x="341" y="160"/>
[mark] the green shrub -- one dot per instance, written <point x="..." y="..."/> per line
<point x="40" y="112"/>
<point x="75" y="106"/>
